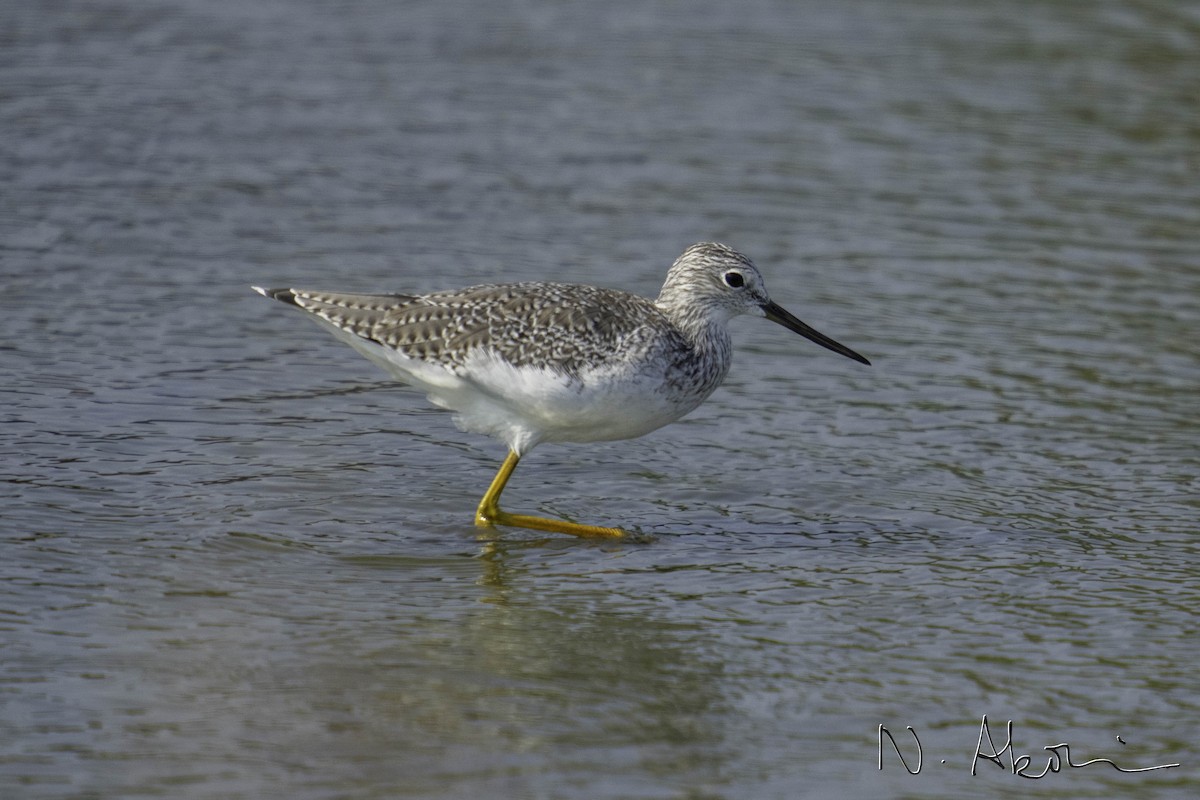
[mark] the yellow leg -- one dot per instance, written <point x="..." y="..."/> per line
<point x="489" y="514"/>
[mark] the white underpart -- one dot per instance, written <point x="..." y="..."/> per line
<point x="524" y="406"/>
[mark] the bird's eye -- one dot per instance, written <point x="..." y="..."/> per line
<point x="734" y="280"/>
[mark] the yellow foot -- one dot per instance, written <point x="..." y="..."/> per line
<point x="489" y="514"/>
<point x="495" y="516"/>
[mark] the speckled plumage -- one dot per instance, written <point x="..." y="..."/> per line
<point x="566" y="327"/>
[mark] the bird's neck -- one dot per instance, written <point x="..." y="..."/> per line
<point x="703" y="328"/>
<point x="711" y="347"/>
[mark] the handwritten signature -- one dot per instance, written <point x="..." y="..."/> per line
<point x="1020" y="765"/>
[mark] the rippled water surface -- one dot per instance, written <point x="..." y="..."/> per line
<point x="237" y="562"/>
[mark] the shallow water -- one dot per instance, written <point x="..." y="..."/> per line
<point x="237" y="562"/>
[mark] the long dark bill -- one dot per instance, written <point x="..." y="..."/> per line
<point x="778" y="314"/>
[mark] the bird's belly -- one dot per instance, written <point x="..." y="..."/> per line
<point x="527" y="405"/>
<point x="608" y="415"/>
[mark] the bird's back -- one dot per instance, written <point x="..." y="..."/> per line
<point x="570" y="328"/>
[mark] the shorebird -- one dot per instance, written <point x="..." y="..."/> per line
<point x="537" y="362"/>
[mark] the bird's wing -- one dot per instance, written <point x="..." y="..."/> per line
<point x="564" y="326"/>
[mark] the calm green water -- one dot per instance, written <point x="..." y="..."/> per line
<point x="235" y="562"/>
